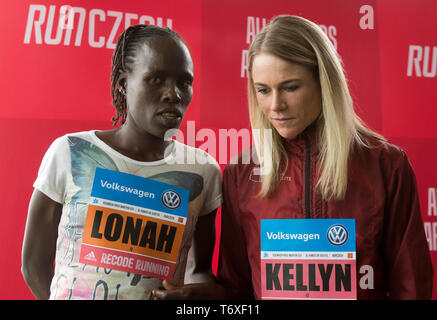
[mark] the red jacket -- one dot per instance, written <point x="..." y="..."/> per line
<point x="381" y="196"/>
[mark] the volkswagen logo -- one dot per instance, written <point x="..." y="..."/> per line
<point x="337" y="235"/>
<point x="171" y="199"/>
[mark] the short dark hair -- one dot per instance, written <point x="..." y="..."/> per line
<point x="123" y="56"/>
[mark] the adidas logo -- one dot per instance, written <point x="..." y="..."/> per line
<point x="90" y="256"/>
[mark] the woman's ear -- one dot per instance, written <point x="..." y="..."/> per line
<point x="122" y="83"/>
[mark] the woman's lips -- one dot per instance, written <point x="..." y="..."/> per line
<point x="170" y="115"/>
<point x="282" y="120"/>
<point x="170" y="119"/>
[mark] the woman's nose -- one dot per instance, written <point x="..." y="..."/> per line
<point x="171" y="93"/>
<point x="277" y="104"/>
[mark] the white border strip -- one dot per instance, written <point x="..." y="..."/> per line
<point x="137" y="210"/>
<point x="306" y="255"/>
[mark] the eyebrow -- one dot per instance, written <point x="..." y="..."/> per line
<point x="281" y="83"/>
<point x="187" y="75"/>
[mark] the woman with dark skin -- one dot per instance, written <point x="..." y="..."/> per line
<point x="152" y="76"/>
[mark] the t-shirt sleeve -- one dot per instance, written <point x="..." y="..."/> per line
<point x="212" y="186"/>
<point x="51" y="178"/>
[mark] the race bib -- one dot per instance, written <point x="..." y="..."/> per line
<point x="308" y="259"/>
<point x="134" y="224"/>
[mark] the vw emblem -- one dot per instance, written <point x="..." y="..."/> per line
<point x="171" y="199"/>
<point x="337" y="235"/>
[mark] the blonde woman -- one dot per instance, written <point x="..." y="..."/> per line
<point x="325" y="163"/>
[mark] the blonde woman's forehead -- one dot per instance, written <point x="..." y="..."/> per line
<point x="267" y="69"/>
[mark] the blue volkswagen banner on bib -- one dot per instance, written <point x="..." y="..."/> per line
<point x="308" y="259"/>
<point x="141" y="192"/>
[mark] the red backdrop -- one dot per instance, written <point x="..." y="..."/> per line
<point x="56" y="81"/>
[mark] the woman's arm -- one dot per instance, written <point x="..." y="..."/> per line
<point x="410" y="273"/>
<point x="39" y="244"/>
<point x="234" y="271"/>
<point x="201" y="281"/>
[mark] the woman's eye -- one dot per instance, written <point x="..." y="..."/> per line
<point x="155" y="80"/>
<point x="186" y="84"/>
<point x="262" y="90"/>
<point x="291" y="88"/>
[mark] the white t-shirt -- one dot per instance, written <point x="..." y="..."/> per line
<point x="66" y="175"/>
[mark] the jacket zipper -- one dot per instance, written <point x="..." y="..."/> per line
<point x="307" y="177"/>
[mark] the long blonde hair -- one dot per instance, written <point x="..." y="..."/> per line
<point x="339" y="129"/>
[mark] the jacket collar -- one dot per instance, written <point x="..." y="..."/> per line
<point x="307" y="138"/>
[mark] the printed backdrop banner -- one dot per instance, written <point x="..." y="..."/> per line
<point x="56" y="63"/>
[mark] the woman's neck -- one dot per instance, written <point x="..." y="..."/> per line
<point x="135" y="145"/>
